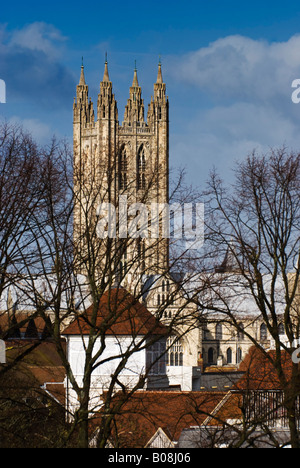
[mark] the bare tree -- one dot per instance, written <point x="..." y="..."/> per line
<point x="256" y="223"/>
<point x="70" y="275"/>
<point x="19" y="195"/>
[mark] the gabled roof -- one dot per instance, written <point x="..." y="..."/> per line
<point x="118" y="313"/>
<point x="160" y="440"/>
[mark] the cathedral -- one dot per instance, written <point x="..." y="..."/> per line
<point x="116" y="163"/>
<point x="113" y="161"/>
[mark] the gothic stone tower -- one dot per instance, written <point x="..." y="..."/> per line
<point x="113" y="160"/>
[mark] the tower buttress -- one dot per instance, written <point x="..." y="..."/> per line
<point x="134" y="110"/>
<point x="107" y="125"/>
<point x="83" y="111"/>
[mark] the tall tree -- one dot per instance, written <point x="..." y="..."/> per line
<point x="256" y="222"/>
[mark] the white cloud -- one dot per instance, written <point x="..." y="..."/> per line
<point x="38" y="36"/>
<point x="237" y="66"/>
<point x="219" y="136"/>
<point x="247" y="88"/>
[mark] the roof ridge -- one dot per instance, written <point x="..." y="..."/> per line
<point x="218" y="407"/>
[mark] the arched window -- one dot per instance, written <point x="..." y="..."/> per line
<point x="123" y="160"/>
<point x="239" y="356"/>
<point x="229" y="356"/>
<point x="263" y="332"/>
<point x="143" y="182"/>
<point x="175" y="352"/>
<point x="281" y="330"/>
<point x="141" y="168"/>
<point x="123" y="181"/>
<point x="123" y="169"/>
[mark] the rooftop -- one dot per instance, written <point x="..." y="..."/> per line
<point x="118" y="313"/>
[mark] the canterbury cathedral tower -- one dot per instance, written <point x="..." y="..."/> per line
<point x="121" y="174"/>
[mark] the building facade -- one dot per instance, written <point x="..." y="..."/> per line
<point x="121" y="164"/>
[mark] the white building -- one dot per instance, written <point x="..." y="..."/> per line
<point x="128" y="347"/>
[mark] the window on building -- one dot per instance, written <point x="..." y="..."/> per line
<point x="210" y="356"/>
<point x="123" y="264"/>
<point x="156" y="358"/>
<point x="219" y="331"/>
<point x="175" y="352"/>
<point x="263" y="332"/>
<point x="141" y="169"/>
<point x="239" y="356"/>
<point x="123" y="169"/>
<point x="281" y="330"/>
<point x="229" y="356"/>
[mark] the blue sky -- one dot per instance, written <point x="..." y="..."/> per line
<point x="228" y="67"/>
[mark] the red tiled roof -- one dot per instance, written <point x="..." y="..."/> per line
<point x="260" y="371"/>
<point x="230" y="407"/>
<point x="118" y="313"/>
<point x="145" y="412"/>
